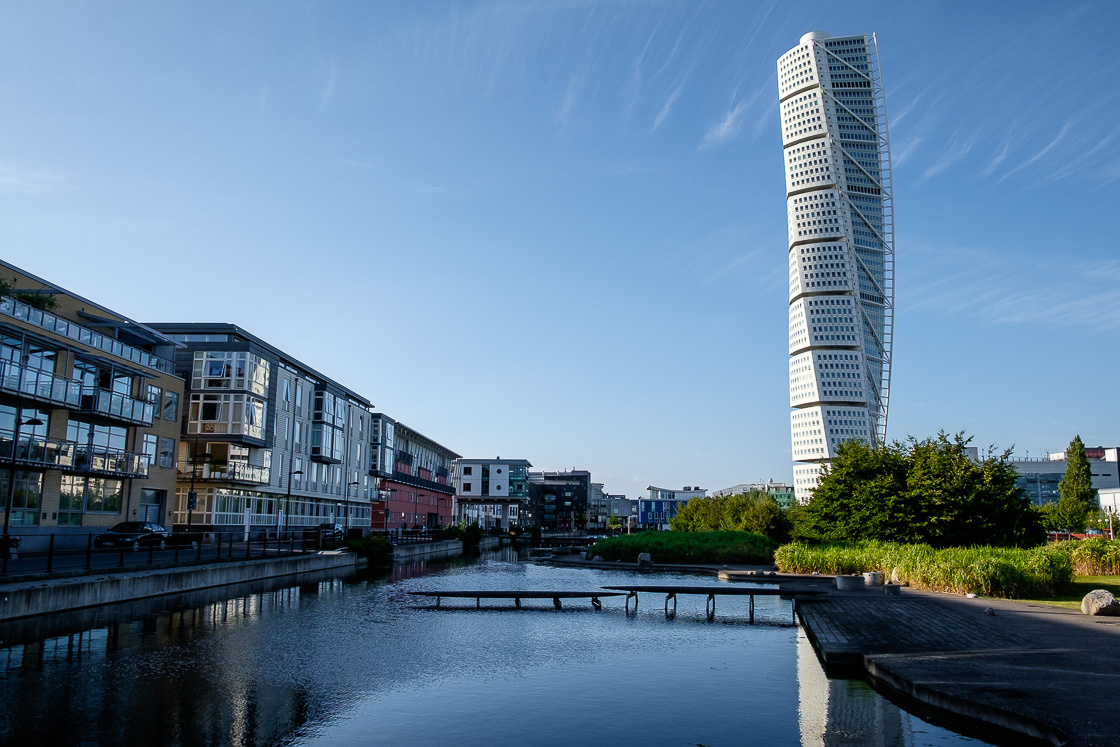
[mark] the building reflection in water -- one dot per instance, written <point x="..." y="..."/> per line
<point x="848" y="713"/>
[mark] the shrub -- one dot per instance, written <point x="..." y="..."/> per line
<point x="374" y="547"/>
<point x="991" y="571"/>
<point x="688" y="547"/>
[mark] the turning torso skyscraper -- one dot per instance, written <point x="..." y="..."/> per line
<point x="841" y="246"/>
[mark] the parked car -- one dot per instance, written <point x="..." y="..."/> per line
<point x="133" y="534"/>
<point x="330" y="531"/>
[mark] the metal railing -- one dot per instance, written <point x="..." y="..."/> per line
<point x="51" y="453"/>
<point x="66" y="554"/>
<point x="117" y="405"/>
<point x="48" y="321"/>
<point x="40" y="385"/>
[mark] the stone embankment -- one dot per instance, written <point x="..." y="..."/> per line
<point x="30" y="598"/>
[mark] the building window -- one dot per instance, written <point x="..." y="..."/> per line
<point x="170" y="405"/>
<point x="150" y="446"/>
<point x="26" y="495"/>
<point x="166" y="452"/>
<point x="154" y="396"/>
<point x="466" y="486"/>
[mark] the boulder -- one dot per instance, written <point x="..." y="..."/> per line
<point x="895" y="578"/>
<point x="598" y="559"/>
<point x="644" y="560"/>
<point x="1100" y="602"/>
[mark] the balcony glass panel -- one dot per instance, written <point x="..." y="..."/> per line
<point x="19" y="310"/>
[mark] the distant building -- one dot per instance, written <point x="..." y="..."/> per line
<point x="602" y="506"/>
<point x="1040" y="477"/>
<point x="491" y="492"/>
<point x="269" y="443"/>
<point x="414" y="474"/>
<point x="662" y="505"/>
<point x="89" y="414"/>
<point x="560" y="498"/>
<point x="780" y="492"/>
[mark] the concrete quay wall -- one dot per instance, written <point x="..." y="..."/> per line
<point x="427" y="549"/>
<point x="27" y="599"/>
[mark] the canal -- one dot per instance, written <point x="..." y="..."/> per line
<point x="355" y="660"/>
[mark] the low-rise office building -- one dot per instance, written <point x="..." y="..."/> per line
<point x="490" y="492"/>
<point x="780" y="492"/>
<point x="414" y="473"/>
<point x="1040" y="477"/>
<point x="662" y="505"/>
<point x="89" y="413"/>
<point x="269" y="443"/>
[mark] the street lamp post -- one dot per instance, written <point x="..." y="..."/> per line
<point x="288" y="502"/>
<point x="346" y="501"/>
<point x="7" y="540"/>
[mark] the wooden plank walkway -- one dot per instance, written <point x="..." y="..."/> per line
<point x="711" y="592"/>
<point x="518" y="595"/>
<point x="844" y="628"/>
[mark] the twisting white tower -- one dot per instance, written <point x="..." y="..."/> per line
<point x="841" y="246"/>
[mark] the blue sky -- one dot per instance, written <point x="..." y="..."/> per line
<point x="556" y="230"/>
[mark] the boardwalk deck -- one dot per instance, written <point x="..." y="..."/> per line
<point x="518" y="595"/>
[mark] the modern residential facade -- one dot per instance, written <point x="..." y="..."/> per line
<point x="601" y="506"/>
<point x="662" y="504"/>
<point x="841" y="247"/>
<point x="89" y="414"/>
<point x="559" y="500"/>
<point x="1040" y="477"/>
<point x="780" y="492"/>
<point x="414" y="477"/>
<point x="268" y="443"/>
<point x="491" y="492"/>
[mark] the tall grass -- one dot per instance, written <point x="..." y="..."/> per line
<point x="688" y="547"/>
<point x="1092" y="557"/>
<point x="991" y="571"/>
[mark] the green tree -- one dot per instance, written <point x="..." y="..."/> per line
<point x="756" y="512"/>
<point x="928" y="491"/>
<point x="613" y="522"/>
<point x="1078" y="497"/>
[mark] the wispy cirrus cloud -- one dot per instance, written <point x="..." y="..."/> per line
<point x="24" y="180"/>
<point x="728" y="127"/>
<point x="981" y="285"/>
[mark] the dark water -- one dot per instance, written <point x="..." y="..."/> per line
<point x="352" y="661"/>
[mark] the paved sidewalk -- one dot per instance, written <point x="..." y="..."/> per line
<point x="1044" y="672"/>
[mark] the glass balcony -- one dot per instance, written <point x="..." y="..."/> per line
<point x="233" y="472"/>
<point x="50" y="453"/>
<point x="39" y="385"/>
<point x="48" y="321"/>
<point x="117" y="406"/>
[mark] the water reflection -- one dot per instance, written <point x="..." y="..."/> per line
<point x="332" y="660"/>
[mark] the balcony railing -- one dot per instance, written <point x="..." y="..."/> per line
<point x="40" y="385"/>
<point x="48" y="321"/>
<point x="116" y="405"/>
<point x="235" y="472"/>
<point x="50" y="453"/>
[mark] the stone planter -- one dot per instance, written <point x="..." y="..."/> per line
<point x="850" y="583"/>
<point x="873" y="578"/>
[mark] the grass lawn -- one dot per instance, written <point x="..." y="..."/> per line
<point x="1081" y="586"/>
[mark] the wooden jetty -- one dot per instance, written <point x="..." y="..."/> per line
<point x="711" y="592"/>
<point x="517" y="596"/>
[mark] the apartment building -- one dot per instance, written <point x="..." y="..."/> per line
<point x="491" y="492"/>
<point x="414" y="477"/>
<point x="89" y="414"/>
<point x="269" y="444"/>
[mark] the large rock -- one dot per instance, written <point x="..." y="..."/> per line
<point x="644" y="560"/>
<point x="1100" y="602"/>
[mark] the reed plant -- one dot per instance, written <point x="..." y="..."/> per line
<point x="1092" y="557"/>
<point x="1009" y="572"/>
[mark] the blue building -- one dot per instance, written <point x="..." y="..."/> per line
<point x="662" y="505"/>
